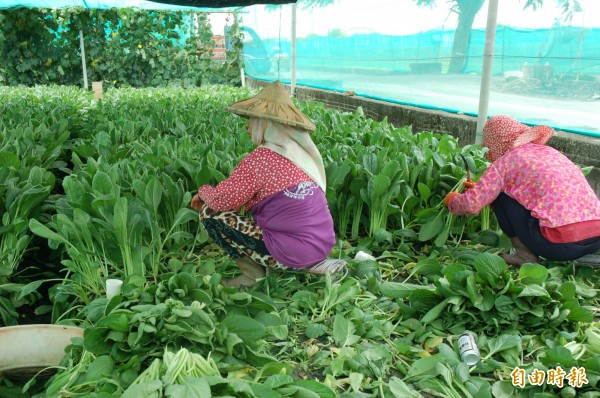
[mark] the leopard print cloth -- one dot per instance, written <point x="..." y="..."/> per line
<point x="238" y="236"/>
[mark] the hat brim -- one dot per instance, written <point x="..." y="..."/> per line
<point x="278" y="112"/>
<point x="306" y="125"/>
<point x="535" y="135"/>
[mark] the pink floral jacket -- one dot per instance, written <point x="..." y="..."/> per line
<point x="545" y="182"/>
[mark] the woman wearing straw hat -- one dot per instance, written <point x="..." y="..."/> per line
<point x="541" y="200"/>
<point x="281" y="182"/>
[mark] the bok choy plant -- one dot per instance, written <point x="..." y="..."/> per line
<point x="22" y="192"/>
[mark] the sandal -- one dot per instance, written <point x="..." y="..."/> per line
<point x="331" y="265"/>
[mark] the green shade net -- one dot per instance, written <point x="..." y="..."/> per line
<point x="546" y="69"/>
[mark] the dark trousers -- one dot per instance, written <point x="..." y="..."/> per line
<point x="515" y="220"/>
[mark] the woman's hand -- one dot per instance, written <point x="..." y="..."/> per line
<point x="468" y="185"/>
<point x="448" y="197"/>
<point x="196" y="203"/>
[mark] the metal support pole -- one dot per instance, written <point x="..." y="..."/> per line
<point x="486" y="72"/>
<point x="85" y="82"/>
<point x="293" y="70"/>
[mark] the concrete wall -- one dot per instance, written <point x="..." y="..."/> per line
<point x="582" y="150"/>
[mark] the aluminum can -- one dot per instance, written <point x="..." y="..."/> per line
<point x="469" y="353"/>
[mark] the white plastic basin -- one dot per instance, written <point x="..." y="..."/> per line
<point x="30" y="348"/>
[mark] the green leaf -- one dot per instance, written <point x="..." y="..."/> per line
<point x="401" y="390"/>
<point x="315" y="330"/>
<point x="336" y="174"/>
<point x="488" y="238"/>
<point x="424" y="191"/>
<point x="95" y="310"/>
<point x="184" y="215"/>
<point x="488" y="300"/>
<point x="577" y="313"/>
<point x="429" y="266"/>
<point x="533" y="291"/>
<point x="273" y="368"/>
<point x="120" y="223"/>
<point x="29" y="288"/>
<point x="354" y="394"/>
<point x="370" y="163"/>
<point x="41" y="230"/>
<point x="103" y="201"/>
<point x="101" y="367"/>
<point x="423" y="299"/>
<point x="585" y="291"/>
<point x="381" y="235"/>
<point x="356" y="380"/>
<point x="58" y="382"/>
<point x="491" y="268"/>
<point x="191" y="387"/>
<point x="448" y="353"/>
<point x="434" y="313"/>
<point x="153" y="193"/>
<point x="263" y="391"/>
<point x="431" y="229"/>
<point x="151" y="389"/>
<point x="94" y="340"/>
<point x="424" y="366"/>
<point x="502" y="343"/>
<point x="377" y="187"/>
<point x="298" y="392"/>
<point x="274" y="325"/>
<point x="503" y="389"/>
<point x="441" y="239"/>
<point x="320" y="389"/>
<point x="116" y="321"/>
<point x="559" y="355"/>
<point x="592" y="364"/>
<point x="9" y="160"/>
<point x="401" y="290"/>
<point x="247" y="329"/>
<point x="216" y="174"/>
<point x="476" y="386"/>
<point x="567" y="290"/>
<point x="276" y="381"/>
<point x="343" y="331"/>
<point x="262" y="301"/>
<point x="102" y="184"/>
<point x="533" y="274"/>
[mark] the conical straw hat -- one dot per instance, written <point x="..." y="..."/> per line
<point x="273" y="103"/>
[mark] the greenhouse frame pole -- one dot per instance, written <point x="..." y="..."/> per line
<point x="486" y="72"/>
<point x="293" y="70"/>
<point x="83" y="66"/>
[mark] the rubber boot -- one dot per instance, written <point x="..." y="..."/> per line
<point x="521" y="255"/>
<point x="251" y="271"/>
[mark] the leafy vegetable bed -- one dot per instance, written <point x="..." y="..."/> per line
<point x="95" y="190"/>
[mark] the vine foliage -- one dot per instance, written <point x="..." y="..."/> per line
<point x="123" y="47"/>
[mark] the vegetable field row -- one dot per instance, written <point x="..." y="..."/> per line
<point x="94" y="190"/>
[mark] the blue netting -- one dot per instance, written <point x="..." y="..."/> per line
<point x="545" y="68"/>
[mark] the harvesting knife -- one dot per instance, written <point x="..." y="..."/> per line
<point x="467" y="168"/>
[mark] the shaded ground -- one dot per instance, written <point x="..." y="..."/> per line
<point x="580" y="88"/>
